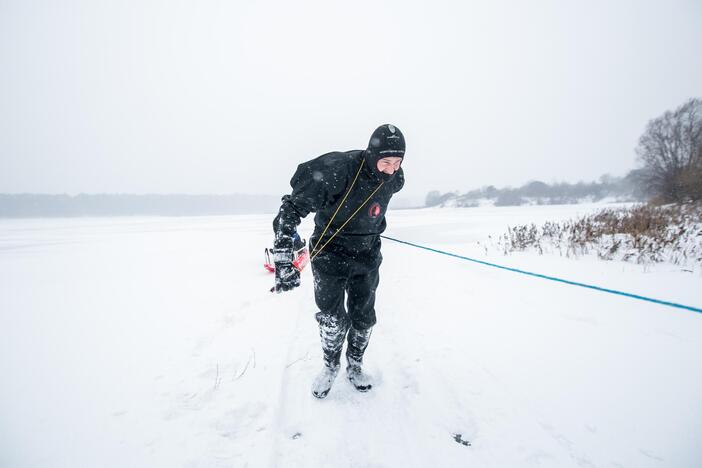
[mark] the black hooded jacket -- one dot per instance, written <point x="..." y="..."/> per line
<point x="319" y="186"/>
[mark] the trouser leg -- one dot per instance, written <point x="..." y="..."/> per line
<point x="361" y="304"/>
<point x="361" y="299"/>
<point x="332" y="318"/>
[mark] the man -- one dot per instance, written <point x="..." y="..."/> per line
<point x="349" y="192"/>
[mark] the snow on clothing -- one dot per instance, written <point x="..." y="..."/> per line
<point x="319" y="185"/>
<point x="349" y="263"/>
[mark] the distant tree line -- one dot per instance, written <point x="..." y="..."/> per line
<point x="670" y="157"/>
<point x="538" y="192"/>
<point x="39" y="205"/>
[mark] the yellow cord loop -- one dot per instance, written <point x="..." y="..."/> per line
<point x="337" y="209"/>
<point x="342" y="226"/>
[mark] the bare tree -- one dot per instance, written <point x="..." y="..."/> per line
<point x="671" y="152"/>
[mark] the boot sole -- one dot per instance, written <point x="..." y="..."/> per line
<point x="320" y="396"/>
<point x="362" y="389"/>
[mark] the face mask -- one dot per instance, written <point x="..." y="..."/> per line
<point x="372" y="161"/>
<point x="385" y="177"/>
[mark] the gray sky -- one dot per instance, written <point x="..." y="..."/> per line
<point x="221" y="97"/>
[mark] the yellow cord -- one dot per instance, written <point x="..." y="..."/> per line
<point x="337" y="209"/>
<point x="342" y="226"/>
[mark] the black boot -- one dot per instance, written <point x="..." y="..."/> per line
<point x="332" y="332"/>
<point x="358" y="342"/>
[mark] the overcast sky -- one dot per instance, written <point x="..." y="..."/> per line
<point x="229" y="96"/>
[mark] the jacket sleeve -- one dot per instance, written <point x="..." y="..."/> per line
<point x="315" y="184"/>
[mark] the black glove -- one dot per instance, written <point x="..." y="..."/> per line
<point x="286" y="275"/>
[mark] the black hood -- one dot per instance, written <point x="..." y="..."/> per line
<point x="386" y="141"/>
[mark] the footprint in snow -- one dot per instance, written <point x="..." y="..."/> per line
<point x="459" y="439"/>
<point x="239" y="420"/>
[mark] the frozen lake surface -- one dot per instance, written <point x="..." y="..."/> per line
<point x="154" y="342"/>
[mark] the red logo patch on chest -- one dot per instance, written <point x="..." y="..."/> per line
<point x="374" y="210"/>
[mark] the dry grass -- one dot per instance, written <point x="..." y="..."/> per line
<point x="643" y="234"/>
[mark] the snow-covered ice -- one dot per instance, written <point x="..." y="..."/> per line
<point x="154" y="342"/>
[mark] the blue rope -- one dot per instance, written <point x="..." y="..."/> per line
<point x="552" y="278"/>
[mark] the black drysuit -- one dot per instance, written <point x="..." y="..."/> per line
<point x="349" y="262"/>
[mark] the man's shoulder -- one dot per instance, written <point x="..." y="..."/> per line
<point x="335" y="161"/>
<point x="333" y="168"/>
<point x="340" y="157"/>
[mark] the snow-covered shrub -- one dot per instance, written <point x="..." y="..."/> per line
<point x="642" y="234"/>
